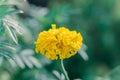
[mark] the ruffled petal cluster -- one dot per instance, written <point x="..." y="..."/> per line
<point x="58" y="43"/>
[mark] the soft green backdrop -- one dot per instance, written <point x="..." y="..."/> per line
<point x="97" y="20"/>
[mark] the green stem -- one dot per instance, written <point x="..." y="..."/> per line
<point x="65" y="72"/>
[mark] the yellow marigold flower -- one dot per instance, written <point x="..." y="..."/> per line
<point x="58" y="43"/>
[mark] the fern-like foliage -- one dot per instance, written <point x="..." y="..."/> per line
<point x="10" y="26"/>
<point x="7" y="25"/>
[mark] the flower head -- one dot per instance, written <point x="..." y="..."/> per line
<point x="58" y="43"/>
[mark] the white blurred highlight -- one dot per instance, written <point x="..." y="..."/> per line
<point x="82" y="52"/>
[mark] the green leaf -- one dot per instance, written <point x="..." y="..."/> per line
<point x="113" y="75"/>
<point x="28" y="58"/>
<point x="13" y="11"/>
<point x="12" y="33"/>
<point x="2" y="28"/>
<point x="7" y="46"/>
<point x="1" y="60"/>
<point x="7" y="10"/>
<point x="14" y="24"/>
<point x="19" y="61"/>
<point x="5" y="54"/>
<point x="35" y="74"/>
<point x="3" y="9"/>
<point x="2" y="1"/>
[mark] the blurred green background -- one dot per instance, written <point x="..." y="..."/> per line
<point x="97" y="20"/>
